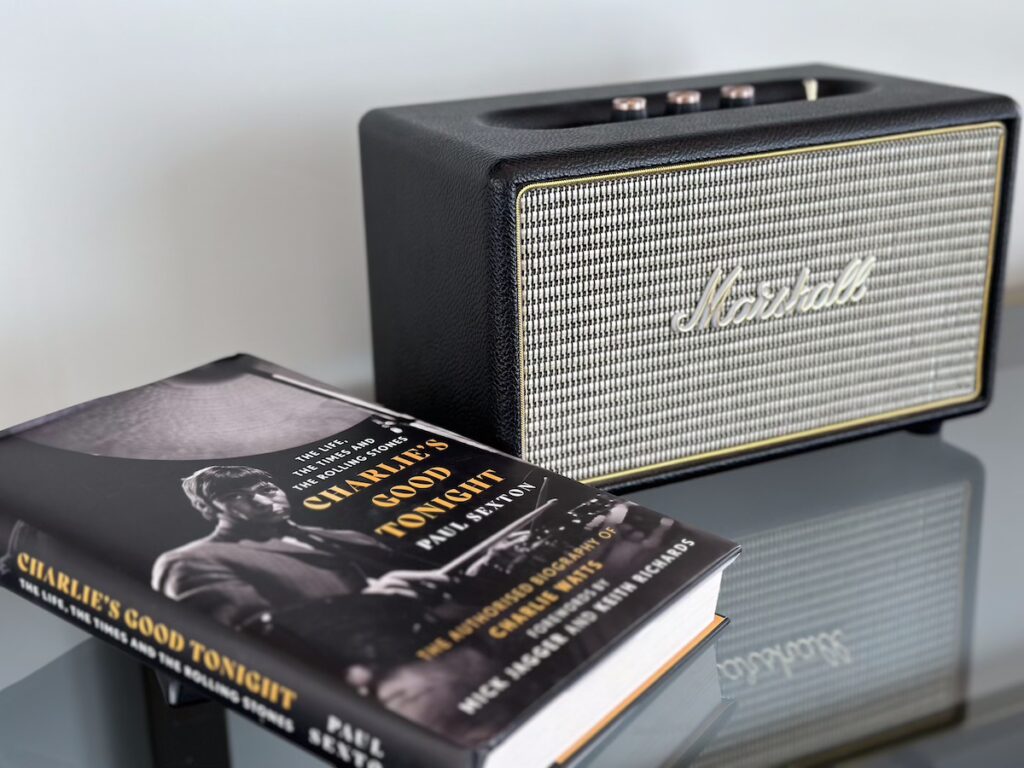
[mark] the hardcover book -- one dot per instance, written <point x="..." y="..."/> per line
<point x="378" y="590"/>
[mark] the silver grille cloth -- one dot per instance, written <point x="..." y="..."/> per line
<point x="609" y="387"/>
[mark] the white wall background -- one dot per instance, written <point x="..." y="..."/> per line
<point x="180" y="181"/>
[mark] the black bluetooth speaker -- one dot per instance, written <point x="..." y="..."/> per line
<point x="635" y="281"/>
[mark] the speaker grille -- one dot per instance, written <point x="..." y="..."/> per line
<point x="610" y="386"/>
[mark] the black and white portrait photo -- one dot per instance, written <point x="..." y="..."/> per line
<point x="257" y="560"/>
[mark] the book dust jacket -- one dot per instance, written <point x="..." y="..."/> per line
<point x="380" y="591"/>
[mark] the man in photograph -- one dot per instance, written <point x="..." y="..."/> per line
<point x="258" y="562"/>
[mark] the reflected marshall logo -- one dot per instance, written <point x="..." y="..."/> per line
<point x="714" y="309"/>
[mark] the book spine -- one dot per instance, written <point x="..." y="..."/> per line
<point x="286" y="695"/>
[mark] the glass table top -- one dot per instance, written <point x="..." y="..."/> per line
<point x="877" y="619"/>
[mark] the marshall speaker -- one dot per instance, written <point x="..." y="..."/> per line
<point x="630" y="282"/>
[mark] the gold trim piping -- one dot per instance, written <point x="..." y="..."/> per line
<point x="790" y="437"/>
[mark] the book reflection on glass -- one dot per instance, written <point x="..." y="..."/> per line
<point x="851" y="608"/>
<point x="671" y="725"/>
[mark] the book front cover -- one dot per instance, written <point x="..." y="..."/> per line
<point x="449" y="584"/>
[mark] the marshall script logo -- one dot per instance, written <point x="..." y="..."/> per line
<point x="715" y="310"/>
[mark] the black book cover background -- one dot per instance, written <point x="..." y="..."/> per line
<point x="125" y="512"/>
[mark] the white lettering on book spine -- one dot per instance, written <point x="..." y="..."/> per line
<point x="714" y="310"/>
